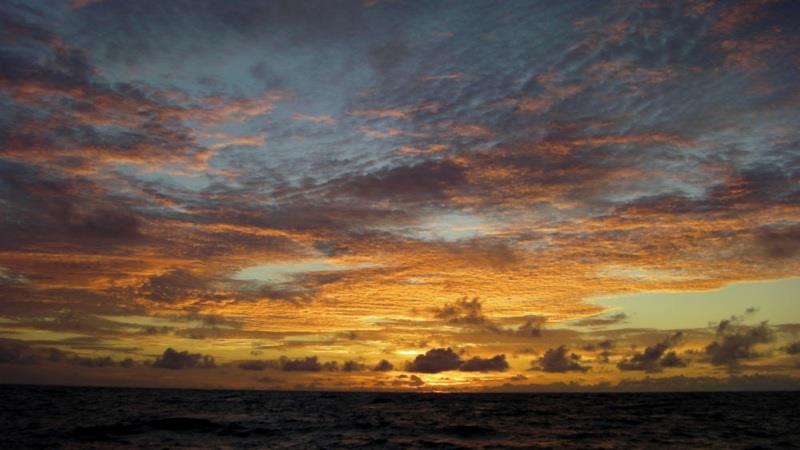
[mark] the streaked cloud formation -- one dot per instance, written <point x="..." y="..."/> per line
<point x="351" y="191"/>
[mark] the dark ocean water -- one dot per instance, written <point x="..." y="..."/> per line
<point x="55" y="417"/>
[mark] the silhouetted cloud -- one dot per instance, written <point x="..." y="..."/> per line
<point x="653" y="358"/>
<point x="496" y="363"/>
<point x="410" y="381"/>
<point x="557" y="360"/>
<point x="173" y="359"/>
<point x="353" y="366"/>
<point x="443" y="359"/>
<point x="20" y="352"/>
<point x="435" y="360"/>
<point x="738" y="343"/>
<point x="258" y="365"/>
<point x="307" y="364"/>
<point x="383" y="366"/>
<point x="463" y="311"/>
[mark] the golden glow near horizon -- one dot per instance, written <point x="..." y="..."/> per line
<point x="490" y="196"/>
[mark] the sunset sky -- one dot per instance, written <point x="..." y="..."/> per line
<point x="405" y="195"/>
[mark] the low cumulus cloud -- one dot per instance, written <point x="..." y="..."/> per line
<point x="463" y="311"/>
<point x="557" y="360"/>
<point x="383" y="366"/>
<point x="467" y="311"/>
<point x="175" y="360"/>
<point x="408" y="380"/>
<point x="258" y="364"/>
<point x="307" y="364"/>
<point x="435" y="360"/>
<point x="737" y="342"/>
<point x="353" y="366"/>
<point x="443" y="359"/>
<point x="18" y="352"/>
<point x="496" y="363"/>
<point x="654" y="358"/>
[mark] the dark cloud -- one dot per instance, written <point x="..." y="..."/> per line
<point x="383" y="366"/>
<point x="258" y="364"/>
<point x="602" y="321"/>
<point x="653" y="358"/>
<point x="435" y="360"/>
<point x="496" y="363"/>
<point x="780" y="242"/>
<point x="606" y="344"/>
<point x="353" y="366"/>
<point x="16" y="352"/>
<point x="470" y="312"/>
<point x="463" y="311"/>
<point x="426" y="181"/>
<point x="671" y="359"/>
<point x="532" y="327"/>
<point x="557" y="360"/>
<point x="19" y="352"/>
<point x="738" y="343"/>
<point x="176" y="285"/>
<point x="307" y="364"/>
<point x="410" y="381"/>
<point x="174" y="360"/>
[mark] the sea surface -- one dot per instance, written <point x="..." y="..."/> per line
<point x="84" y="418"/>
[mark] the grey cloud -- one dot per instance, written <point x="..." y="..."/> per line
<point x="435" y="360"/>
<point x="257" y="364"/>
<point x="602" y="321"/>
<point x="411" y="381"/>
<point x="737" y="344"/>
<point x="463" y="311"/>
<point x="383" y="366"/>
<point x="307" y="364"/>
<point x="19" y="352"/>
<point x="557" y="360"/>
<point x="496" y="363"/>
<point x="175" y="360"/>
<point x="653" y="358"/>
<point x="353" y="366"/>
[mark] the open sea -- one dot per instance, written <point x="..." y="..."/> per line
<point x="85" y="418"/>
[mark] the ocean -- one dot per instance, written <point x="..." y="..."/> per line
<point x="112" y="418"/>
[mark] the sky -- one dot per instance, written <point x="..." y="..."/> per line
<point x="400" y="195"/>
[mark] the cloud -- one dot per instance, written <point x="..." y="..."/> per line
<point x="780" y="242"/>
<point x="175" y="360"/>
<point x="602" y="321"/>
<point x="353" y="366"/>
<point x="383" y="366"/>
<point x="16" y="352"/>
<point x="425" y="181"/>
<point x="258" y="365"/>
<point x="738" y="343"/>
<point x="496" y="363"/>
<point x="435" y="360"/>
<point x="606" y="344"/>
<point x="410" y="381"/>
<point x="20" y="352"/>
<point x="307" y="364"/>
<point x="653" y="358"/>
<point x="557" y="360"/>
<point x="463" y="311"/>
